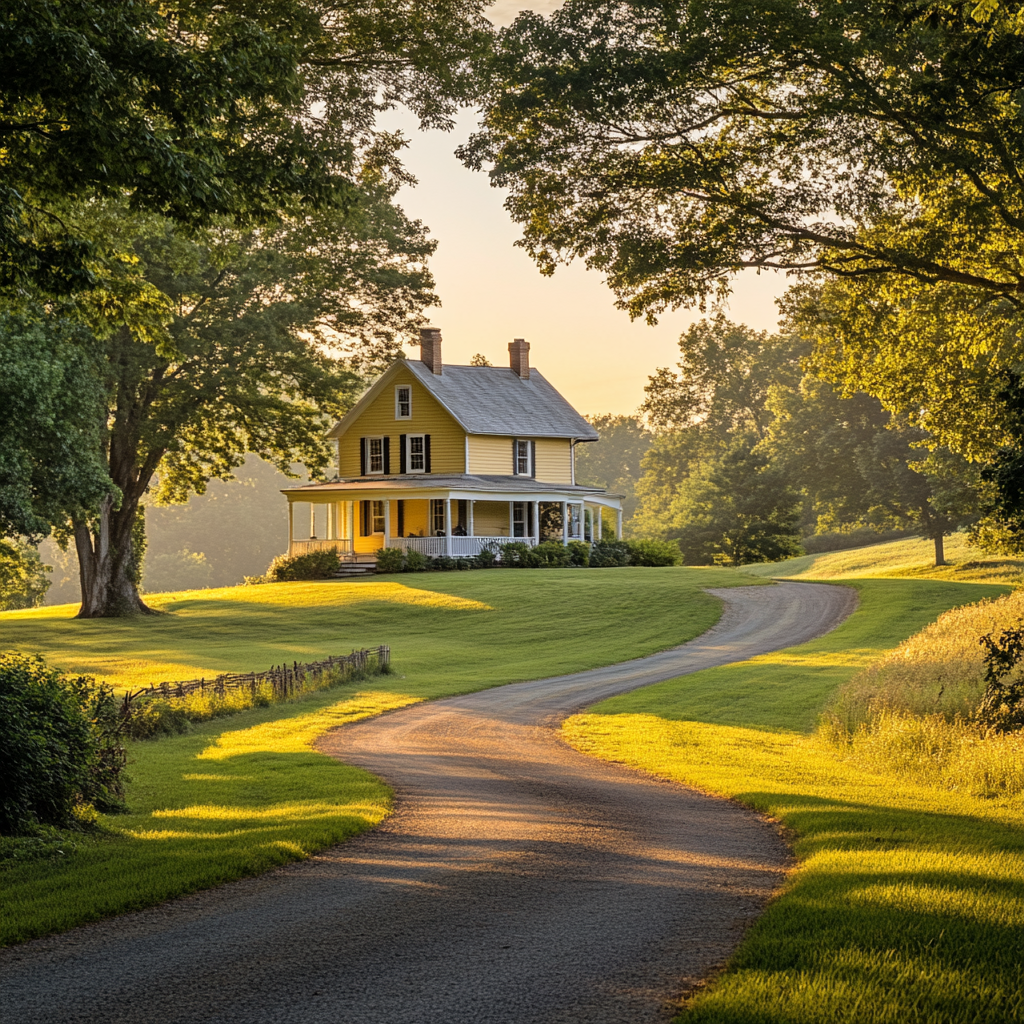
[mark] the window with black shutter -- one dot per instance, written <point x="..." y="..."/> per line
<point x="362" y="456"/>
<point x="387" y="456"/>
<point x="426" y="453"/>
<point x="401" y="454"/>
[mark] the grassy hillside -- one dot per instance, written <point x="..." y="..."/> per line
<point x="900" y="558"/>
<point x="236" y="797"/>
<point x="908" y="903"/>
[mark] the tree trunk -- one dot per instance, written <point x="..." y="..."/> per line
<point x="940" y="554"/>
<point x="106" y="565"/>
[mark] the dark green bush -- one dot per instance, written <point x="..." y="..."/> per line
<point x="316" y="565"/>
<point x="416" y="561"/>
<point x="443" y="564"/>
<point x="609" y="553"/>
<point x="486" y="558"/>
<point x="465" y="563"/>
<point x="579" y="553"/>
<point x="516" y="554"/>
<point x="654" y="552"/>
<point x="551" y="555"/>
<point x="59" y="746"/>
<point x="390" y="560"/>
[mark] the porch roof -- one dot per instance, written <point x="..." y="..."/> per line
<point x="493" y="488"/>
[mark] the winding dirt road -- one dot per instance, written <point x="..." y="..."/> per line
<point x="517" y="882"/>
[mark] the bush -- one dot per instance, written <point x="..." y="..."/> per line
<point x="390" y="560"/>
<point x="654" y="552"/>
<point x="516" y="555"/>
<point x="443" y="563"/>
<point x="316" y="565"/>
<point x="487" y="557"/>
<point x="416" y="561"/>
<point x="610" y="553"/>
<point x="579" y="554"/>
<point x="551" y="555"/>
<point x="59" y="746"/>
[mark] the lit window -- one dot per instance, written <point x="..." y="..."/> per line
<point x="417" y="453"/>
<point x="376" y="516"/>
<point x="403" y="402"/>
<point x="376" y="453"/>
<point x="523" y="458"/>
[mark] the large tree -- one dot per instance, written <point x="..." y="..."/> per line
<point x="199" y="111"/>
<point x="671" y="144"/>
<point x="230" y="342"/>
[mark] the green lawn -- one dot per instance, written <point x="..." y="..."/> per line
<point x="908" y="904"/>
<point x="237" y="796"/>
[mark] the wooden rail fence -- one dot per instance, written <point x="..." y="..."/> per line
<point x="284" y="679"/>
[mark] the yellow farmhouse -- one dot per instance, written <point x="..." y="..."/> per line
<point x="446" y="460"/>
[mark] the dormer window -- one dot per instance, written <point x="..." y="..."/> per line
<point x="403" y="402"/>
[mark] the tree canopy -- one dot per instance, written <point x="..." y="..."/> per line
<point x="671" y="144"/>
<point x="195" y="111"/>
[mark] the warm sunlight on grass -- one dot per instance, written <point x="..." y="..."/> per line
<point x="271" y="798"/>
<point x="898" y="558"/>
<point x="506" y="624"/>
<point x="909" y="899"/>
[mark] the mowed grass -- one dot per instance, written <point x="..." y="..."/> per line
<point x="908" y="903"/>
<point x="900" y="558"/>
<point x="238" y="796"/>
<point x="470" y="629"/>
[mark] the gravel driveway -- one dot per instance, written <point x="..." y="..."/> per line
<point x="517" y="882"/>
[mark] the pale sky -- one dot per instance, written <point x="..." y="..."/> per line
<point x="491" y="292"/>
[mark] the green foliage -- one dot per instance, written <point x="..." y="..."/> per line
<point x="24" y="579"/>
<point x="487" y="557"/>
<point x="315" y="565"/>
<point x="550" y="554"/>
<point x="614" y="462"/>
<point x="59" y="746"/>
<point x="1002" y="706"/>
<point x="610" y="553"/>
<point x="818" y="543"/>
<point x="51" y="409"/>
<point x="516" y="555"/>
<point x="654" y="552"/>
<point x="208" y="112"/>
<point x="390" y="560"/>
<point x="416" y="561"/>
<point x="579" y="553"/>
<point x="179" y="570"/>
<point x="669" y="146"/>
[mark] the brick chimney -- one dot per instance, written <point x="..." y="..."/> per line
<point x="519" y="357"/>
<point x="430" y="348"/>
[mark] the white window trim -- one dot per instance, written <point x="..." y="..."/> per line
<point x="408" y="453"/>
<point x="370" y="471"/>
<point x="398" y="410"/>
<point x="373" y="517"/>
<point x="529" y="458"/>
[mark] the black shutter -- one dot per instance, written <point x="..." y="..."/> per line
<point x="401" y="516"/>
<point x="401" y="454"/>
<point x="515" y="456"/>
<point x="362" y="458"/>
<point x="533" y="459"/>
<point x="364" y="517"/>
<point x="426" y="453"/>
<point x="387" y="456"/>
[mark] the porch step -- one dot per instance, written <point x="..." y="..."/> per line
<point x="355" y="570"/>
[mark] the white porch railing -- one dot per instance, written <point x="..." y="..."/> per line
<point x="461" y="547"/>
<point x="304" y="547"/>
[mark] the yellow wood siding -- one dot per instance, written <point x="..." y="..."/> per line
<point x="415" y="517"/>
<point x="490" y="518"/>
<point x="447" y="439"/>
<point x="490" y="456"/>
<point x="554" y="461"/>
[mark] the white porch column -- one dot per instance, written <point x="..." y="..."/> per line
<point x="291" y="525"/>
<point x="387" y="522"/>
<point x="536" y="522"/>
<point x="329" y="528"/>
<point x="618" y="524"/>
<point x="312" y="521"/>
<point x="511" y="521"/>
<point x="600" y="524"/>
<point x="469" y="509"/>
<point x="448" y="527"/>
<point x="350" y="516"/>
<point x="565" y="522"/>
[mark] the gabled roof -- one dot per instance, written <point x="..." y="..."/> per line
<point x="488" y="400"/>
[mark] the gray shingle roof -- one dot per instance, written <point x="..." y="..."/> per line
<point x="495" y="400"/>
